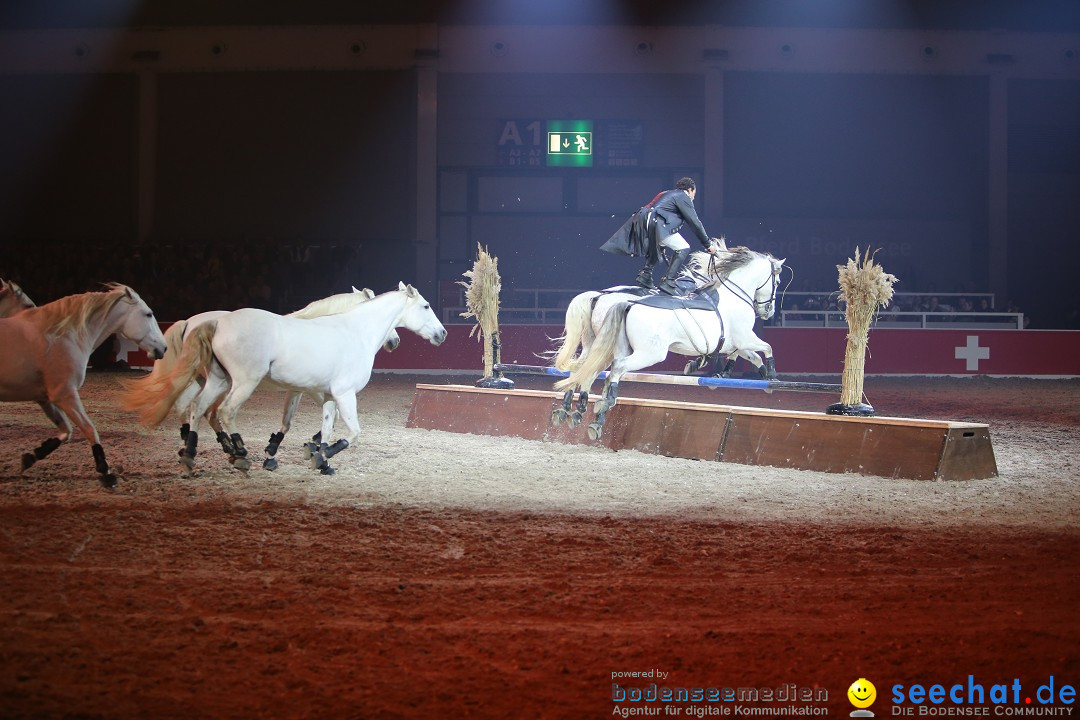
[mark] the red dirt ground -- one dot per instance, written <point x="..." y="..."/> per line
<point x="439" y="585"/>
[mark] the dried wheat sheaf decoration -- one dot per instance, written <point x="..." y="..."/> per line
<point x="482" y="302"/>
<point x="865" y="287"/>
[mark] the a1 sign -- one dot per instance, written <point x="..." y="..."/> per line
<point x="521" y="143"/>
<point x="569" y="143"/>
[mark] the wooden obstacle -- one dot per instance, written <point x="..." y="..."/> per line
<point x="884" y="446"/>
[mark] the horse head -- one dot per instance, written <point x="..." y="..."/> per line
<point x="419" y="317"/>
<point x="12" y="299"/>
<point x="138" y="324"/>
<point x="765" y="295"/>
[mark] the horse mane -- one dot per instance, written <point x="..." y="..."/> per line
<point x="74" y="312"/>
<point x="713" y="271"/>
<point x="333" y="305"/>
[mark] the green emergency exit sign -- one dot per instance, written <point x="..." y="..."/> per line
<point x="570" y="143"/>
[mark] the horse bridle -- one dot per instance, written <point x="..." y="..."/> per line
<point x="742" y="294"/>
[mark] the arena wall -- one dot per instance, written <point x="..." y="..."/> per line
<point x="798" y="351"/>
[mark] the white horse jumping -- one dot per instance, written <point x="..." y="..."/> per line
<point x="329" y="356"/>
<point x="12" y="299"/>
<point x="634" y="334"/>
<point x="587" y="311"/>
<point x="43" y="354"/>
<point x="146" y="396"/>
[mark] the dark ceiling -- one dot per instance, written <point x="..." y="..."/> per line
<point x="1013" y="15"/>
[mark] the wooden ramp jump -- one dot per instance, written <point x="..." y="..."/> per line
<point x="884" y="446"/>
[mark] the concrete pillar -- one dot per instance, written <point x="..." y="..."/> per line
<point x="146" y="151"/>
<point x="714" y="150"/>
<point x="426" y="241"/>
<point x="998" y="191"/>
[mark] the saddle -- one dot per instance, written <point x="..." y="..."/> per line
<point x="692" y="300"/>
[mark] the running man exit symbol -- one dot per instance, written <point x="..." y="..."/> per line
<point x="972" y="353"/>
<point x="570" y="143"/>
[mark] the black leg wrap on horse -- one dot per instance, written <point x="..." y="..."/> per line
<point x="275" y="441"/>
<point x="46" y="447"/>
<point x="184" y="430"/>
<point x="191" y="444"/>
<point x="317" y="437"/>
<point x="238" y="445"/>
<point x="583" y="402"/>
<point x="225" y="442"/>
<point x="567" y="400"/>
<point x="726" y="372"/>
<point x="330" y="451"/>
<point x="99" y="458"/>
<point x="612" y="394"/>
<point x="770" y="368"/>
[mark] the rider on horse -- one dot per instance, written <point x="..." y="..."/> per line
<point x="659" y="224"/>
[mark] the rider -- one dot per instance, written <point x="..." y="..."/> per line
<point x="665" y="216"/>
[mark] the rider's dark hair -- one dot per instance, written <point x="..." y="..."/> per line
<point x="685" y="183"/>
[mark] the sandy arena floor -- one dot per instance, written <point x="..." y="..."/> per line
<point x="443" y="575"/>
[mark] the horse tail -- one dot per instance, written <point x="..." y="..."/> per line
<point x="145" y="391"/>
<point x="194" y="359"/>
<point x="577" y="331"/>
<point x="602" y="352"/>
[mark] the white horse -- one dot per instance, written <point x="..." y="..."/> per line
<point x="12" y="299"/>
<point x="587" y="311"/>
<point x="330" y="357"/>
<point x="43" y="354"/>
<point x="146" y="396"/>
<point x="634" y="335"/>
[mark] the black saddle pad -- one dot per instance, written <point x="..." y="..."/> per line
<point x="701" y="300"/>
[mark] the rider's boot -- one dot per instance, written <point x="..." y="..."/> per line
<point x="644" y="278"/>
<point x="667" y="285"/>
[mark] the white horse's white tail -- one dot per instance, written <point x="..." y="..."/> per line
<point x="145" y="391"/>
<point x="153" y="400"/>
<point x="602" y="352"/>
<point x="577" y="331"/>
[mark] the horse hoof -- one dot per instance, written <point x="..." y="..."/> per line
<point x="309" y="450"/>
<point x="558" y="416"/>
<point x="270" y="464"/>
<point x="327" y="470"/>
<point x="241" y="463"/>
<point x="108" y="481"/>
<point x="575" y="420"/>
<point x="187" y="462"/>
<point x="595" y="431"/>
<point x="28" y="459"/>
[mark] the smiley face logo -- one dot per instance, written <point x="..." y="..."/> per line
<point x="862" y="693"/>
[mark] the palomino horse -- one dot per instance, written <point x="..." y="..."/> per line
<point x="146" y="395"/>
<point x="12" y="299"/>
<point x="635" y="335"/>
<point x="330" y="355"/>
<point x="43" y="354"/>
